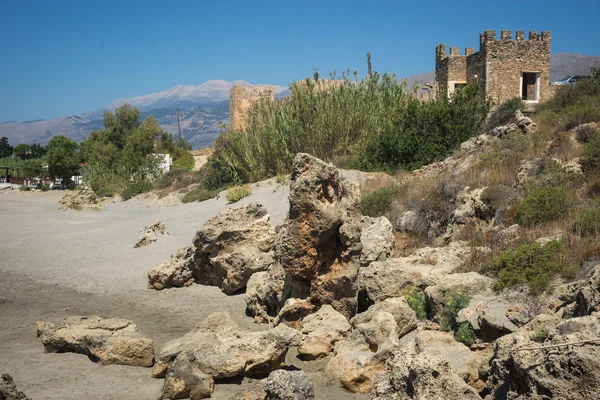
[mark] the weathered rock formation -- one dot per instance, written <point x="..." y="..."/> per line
<point x="150" y="234"/>
<point x="83" y="199"/>
<point x="179" y="270"/>
<point x="109" y="341"/>
<point x="8" y="389"/>
<point x="321" y="331"/>
<point x="288" y="385"/>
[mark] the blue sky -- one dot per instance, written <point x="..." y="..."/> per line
<point x="65" y="57"/>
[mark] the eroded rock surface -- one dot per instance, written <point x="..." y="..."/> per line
<point x="150" y="234"/>
<point x="321" y="331"/>
<point x="8" y="389"/>
<point x="179" y="270"/>
<point x="110" y="341"/>
<point x="288" y="385"/>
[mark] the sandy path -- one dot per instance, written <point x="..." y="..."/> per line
<point x="59" y="263"/>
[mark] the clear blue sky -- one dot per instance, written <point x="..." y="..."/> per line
<point x="65" y="57"/>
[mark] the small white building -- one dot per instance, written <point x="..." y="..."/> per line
<point x="165" y="162"/>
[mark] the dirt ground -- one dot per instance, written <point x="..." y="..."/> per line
<point x="55" y="264"/>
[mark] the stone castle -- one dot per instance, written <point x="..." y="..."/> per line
<point x="240" y="100"/>
<point x="503" y="68"/>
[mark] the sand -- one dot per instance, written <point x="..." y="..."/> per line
<point x="55" y="264"/>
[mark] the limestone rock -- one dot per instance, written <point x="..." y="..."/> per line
<point x="319" y="243"/>
<point x="150" y="234"/>
<point x="293" y="312"/>
<point x="525" y="124"/>
<point x="110" y="341"/>
<point x="84" y="198"/>
<point x="501" y="131"/>
<point x="220" y="349"/>
<point x="264" y="293"/>
<point x="254" y="394"/>
<point x="377" y="239"/>
<point x="469" y="284"/>
<point x="321" y="331"/>
<point x="179" y="270"/>
<point x="564" y="372"/>
<point x="184" y="380"/>
<point x="234" y="245"/>
<point x="288" y="385"/>
<point x="420" y="376"/>
<point x="8" y="389"/>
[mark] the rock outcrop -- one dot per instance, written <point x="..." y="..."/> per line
<point x="321" y="331"/>
<point x="288" y="385"/>
<point x="184" y="380"/>
<point x="219" y="349"/>
<point x="264" y="293"/>
<point x="234" y="245"/>
<point x="150" y="234"/>
<point x="109" y="341"/>
<point x="468" y="284"/>
<point x="8" y="389"/>
<point x="179" y="270"/>
<point x="83" y="199"/>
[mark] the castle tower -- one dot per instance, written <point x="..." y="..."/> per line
<point x="240" y="100"/>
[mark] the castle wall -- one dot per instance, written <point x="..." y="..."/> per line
<point x="240" y="100"/>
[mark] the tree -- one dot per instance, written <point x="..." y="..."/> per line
<point x="62" y="157"/>
<point x="6" y="149"/>
<point x="37" y="151"/>
<point x="23" y="151"/>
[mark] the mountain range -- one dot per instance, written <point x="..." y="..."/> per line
<point x="203" y="107"/>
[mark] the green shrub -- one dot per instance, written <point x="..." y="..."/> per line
<point x="590" y="159"/>
<point x="496" y="198"/>
<point x="505" y="113"/>
<point x="107" y="191"/>
<point x="415" y="298"/>
<point x="282" y="179"/>
<point x="184" y="162"/>
<point x="464" y="334"/>
<point x="165" y="180"/>
<point x="134" y="188"/>
<point x="24" y="188"/>
<point x="456" y="303"/>
<point x="199" y="193"/>
<point x="587" y="222"/>
<point x="544" y="203"/>
<point x="573" y="105"/>
<point x="377" y="203"/>
<point x="541" y="335"/>
<point x="531" y="264"/>
<point x="237" y="193"/>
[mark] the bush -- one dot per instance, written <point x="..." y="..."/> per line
<point x="543" y="204"/>
<point x="24" y="188"/>
<point x="199" y="193"/>
<point x="541" y="335"/>
<point x="464" y="334"/>
<point x="496" y="198"/>
<point x="184" y="162"/>
<point x="237" y="193"/>
<point x="573" y="105"/>
<point x="587" y="222"/>
<point x="505" y="113"/>
<point x="415" y="298"/>
<point x="531" y="264"/>
<point x="590" y="159"/>
<point x="134" y="188"/>
<point x="282" y="179"/>
<point x="456" y="303"/>
<point x="108" y="191"/>
<point x="377" y="203"/>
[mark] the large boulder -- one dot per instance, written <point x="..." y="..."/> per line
<point x="109" y="341"/>
<point x="468" y="284"/>
<point x="8" y="389"/>
<point x="524" y="367"/>
<point x="426" y="376"/>
<point x="321" y="331"/>
<point x="150" y="234"/>
<point x="377" y="239"/>
<point x="264" y="293"/>
<point x="179" y="270"/>
<point x="184" y="380"/>
<point x="425" y="267"/>
<point x="288" y="385"/>
<point x="219" y="349"/>
<point x="234" y="245"/>
<point x="319" y="243"/>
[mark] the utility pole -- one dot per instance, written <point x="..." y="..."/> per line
<point x="370" y="71"/>
<point x="178" y="126"/>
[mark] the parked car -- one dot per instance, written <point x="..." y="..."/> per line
<point x="569" y="80"/>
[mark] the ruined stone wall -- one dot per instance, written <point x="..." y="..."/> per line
<point x="506" y="60"/>
<point x="450" y="69"/>
<point x="240" y="100"/>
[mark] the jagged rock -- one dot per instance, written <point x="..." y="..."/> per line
<point x="355" y="365"/>
<point x="525" y="124"/>
<point x="411" y="222"/>
<point x="110" y="341"/>
<point x="386" y="321"/>
<point x="469" y="205"/>
<point x="501" y="131"/>
<point x="420" y="376"/>
<point x="264" y="293"/>
<point x="478" y="143"/>
<point x="293" y="311"/>
<point x="184" y="380"/>
<point x="377" y="239"/>
<point x="288" y="385"/>
<point x="319" y="243"/>
<point x="77" y="201"/>
<point x="524" y="171"/>
<point x="469" y="284"/>
<point x="568" y="372"/>
<point x="218" y="348"/>
<point x="385" y="279"/>
<point x="8" y="389"/>
<point x="321" y="331"/>
<point x="179" y="270"/>
<point x="150" y="234"/>
<point x="234" y="245"/>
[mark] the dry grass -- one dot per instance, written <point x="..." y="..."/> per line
<point x="431" y="260"/>
<point x="406" y="244"/>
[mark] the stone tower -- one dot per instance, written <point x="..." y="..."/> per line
<point x="504" y="68"/>
<point x="240" y="100"/>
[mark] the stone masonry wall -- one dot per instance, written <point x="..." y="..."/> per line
<point x="240" y="100"/>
